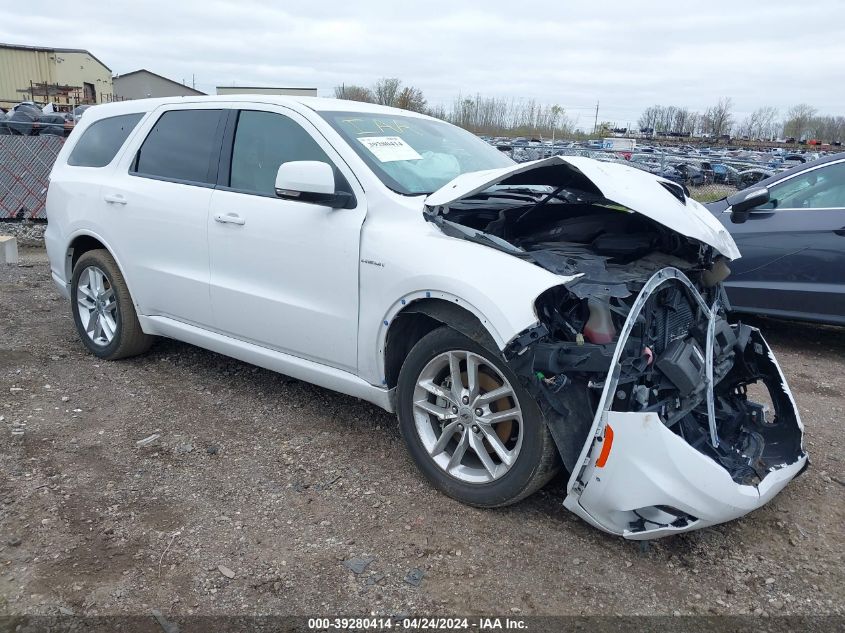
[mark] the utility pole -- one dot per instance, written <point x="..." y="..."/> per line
<point x="596" y="123"/>
<point x="555" y="114"/>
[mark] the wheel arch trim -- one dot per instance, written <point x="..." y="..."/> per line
<point x="440" y="306"/>
<point x="68" y="254"/>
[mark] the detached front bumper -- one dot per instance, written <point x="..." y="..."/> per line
<point x="653" y="477"/>
<point x="640" y="480"/>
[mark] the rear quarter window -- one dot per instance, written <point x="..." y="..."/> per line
<point x="102" y="139"/>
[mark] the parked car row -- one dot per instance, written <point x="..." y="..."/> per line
<point x="687" y="165"/>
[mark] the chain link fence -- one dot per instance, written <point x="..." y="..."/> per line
<point x="25" y="164"/>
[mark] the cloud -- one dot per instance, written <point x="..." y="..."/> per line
<point x="624" y="55"/>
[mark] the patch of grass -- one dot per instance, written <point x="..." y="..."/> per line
<point x="710" y="193"/>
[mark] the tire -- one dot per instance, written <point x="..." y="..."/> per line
<point x="113" y="308"/>
<point x="427" y="405"/>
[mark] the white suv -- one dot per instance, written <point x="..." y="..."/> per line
<point x="518" y="318"/>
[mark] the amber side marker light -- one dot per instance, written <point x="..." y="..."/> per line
<point x="605" y="447"/>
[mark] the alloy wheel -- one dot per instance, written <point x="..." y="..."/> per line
<point x="97" y="306"/>
<point x="468" y="417"/>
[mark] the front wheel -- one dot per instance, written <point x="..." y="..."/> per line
<point x="469" y="425"/>
<point x="103" y="311"/>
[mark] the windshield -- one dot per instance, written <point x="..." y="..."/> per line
<point x="412" y="155"/>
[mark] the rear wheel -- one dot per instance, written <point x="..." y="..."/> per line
<point x="103" y="311"/>
<point x="472" y="429"/>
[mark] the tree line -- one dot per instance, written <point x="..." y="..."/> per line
<point x="388" y="91"/>
<point x="800" y="122"/>
<point x="498" y="116"/>
<point x="478" y="114"/>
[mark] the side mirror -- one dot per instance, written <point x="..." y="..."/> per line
<point x="743" y="202"/>
<point x="310" y="181"/>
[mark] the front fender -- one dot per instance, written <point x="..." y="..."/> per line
<point x="498" y="288"/>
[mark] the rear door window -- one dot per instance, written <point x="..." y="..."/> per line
<point x="183" y="146"/>
<point x="101" y="140"/>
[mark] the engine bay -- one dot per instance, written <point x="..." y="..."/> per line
<point x="663" y="366"/>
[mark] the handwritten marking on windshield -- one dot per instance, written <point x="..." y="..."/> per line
<point x="394" y="125"/>
<point x="360" y="126"/>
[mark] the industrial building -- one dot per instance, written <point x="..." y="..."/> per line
<point x="66" y="77"/>
<point x="259" y="90"/>
<point x="142" y="84"/>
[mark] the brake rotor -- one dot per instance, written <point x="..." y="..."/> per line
<point x="486" y="383"/>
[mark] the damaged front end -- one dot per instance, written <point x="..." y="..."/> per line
<point x="667" y="417"/>
<point x="662" y="430"/>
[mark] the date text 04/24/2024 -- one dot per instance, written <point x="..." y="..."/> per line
<point x="417" y="624"/>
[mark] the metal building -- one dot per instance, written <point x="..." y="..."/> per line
<point x="64" y="76"/>
<point x="140" y="84"/>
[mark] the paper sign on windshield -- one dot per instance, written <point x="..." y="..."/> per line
<point x="389" y="148"/>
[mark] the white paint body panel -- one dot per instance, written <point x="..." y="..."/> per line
<point x="498" y="288"/>
<point x="649" y="465"/>
<point x="286" y="276"/>
<point x="630" y="187"/>
<point x="305" y="175"/>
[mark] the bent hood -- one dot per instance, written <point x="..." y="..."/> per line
<point x="638" y="191"/>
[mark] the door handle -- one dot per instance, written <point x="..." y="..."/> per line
<point x="840" y="231"/>
<point x="115" y="198"/>
<point x="229" y="218"/>
<point x="761" y="214"/>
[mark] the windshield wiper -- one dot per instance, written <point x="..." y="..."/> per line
<point x="541" y="203"/>
<point x="511" y="195"/>
<point x="516" y="192"/>
<point x="522" y="189"/>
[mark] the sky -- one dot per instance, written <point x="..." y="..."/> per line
<point x="624" y="55"/>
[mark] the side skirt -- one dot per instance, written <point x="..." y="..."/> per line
<point x="293" y="366"/>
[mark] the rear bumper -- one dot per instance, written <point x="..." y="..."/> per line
<point x="56" y="253"/>
<point x="649" y="466"/>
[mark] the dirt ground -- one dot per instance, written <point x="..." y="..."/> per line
<point x="261" y="487"/>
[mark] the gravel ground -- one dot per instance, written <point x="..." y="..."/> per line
<point x="260" y="490"/>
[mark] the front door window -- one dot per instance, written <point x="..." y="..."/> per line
<point x="822" y="188"/>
